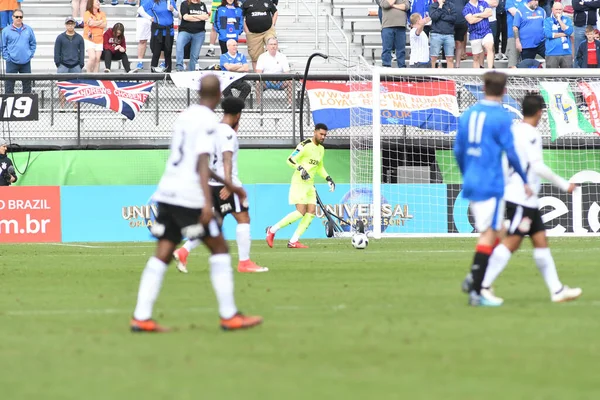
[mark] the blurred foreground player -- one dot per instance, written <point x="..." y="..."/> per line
<point x="224" y="164"/>
<point x="185" y="209"/>
<point x="484" y="133"/>
<point x="523" y="212"/>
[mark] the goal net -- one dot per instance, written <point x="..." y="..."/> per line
<point x="404" y="180"/>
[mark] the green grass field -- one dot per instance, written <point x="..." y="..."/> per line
<point x="389" y="322"/>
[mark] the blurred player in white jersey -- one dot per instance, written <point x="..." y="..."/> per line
<point x="523" y="211"/>
<point x="224" y="164"/>
<point x="185" y="209"/>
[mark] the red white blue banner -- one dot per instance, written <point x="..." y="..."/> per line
<point x="126" y="98"/>
<point x="426" y="105"/>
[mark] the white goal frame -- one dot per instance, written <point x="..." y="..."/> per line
<point x="376" y="74"/>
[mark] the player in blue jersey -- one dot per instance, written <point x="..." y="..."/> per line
<point x="484" y="135"/>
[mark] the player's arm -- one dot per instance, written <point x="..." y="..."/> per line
<point x="293" y="161"/>
<point x="323" y="173"/>
<point x="205" y="174"/>
<point x="543" y="171"/>
<point x="506" y="140"/>
<point x="227" y="168"/>
<point x="459" y="148"/>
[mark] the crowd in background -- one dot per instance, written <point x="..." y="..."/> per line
<point x="517" y="31"/>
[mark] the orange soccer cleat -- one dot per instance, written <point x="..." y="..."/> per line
<point x="297" y="245"/>
<point x="181" y="255"/>
<point x="148" y="325"/>
<point x="250" y="266"/>
<point x="270" y="236"/>
<point x="240" y="321"/>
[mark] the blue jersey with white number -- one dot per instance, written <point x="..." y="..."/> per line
<point x="484" y="133"/>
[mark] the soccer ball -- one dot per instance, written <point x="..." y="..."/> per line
<point x="360" y="241"/>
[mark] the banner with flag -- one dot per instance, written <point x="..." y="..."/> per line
<point x="591" y="93"/>
<point x="508" y="102"/>
<point x="126" y="98"/>
<point x="191" y="79"/>
<point x="426" y="105"/>
<point x="563" y="115"/>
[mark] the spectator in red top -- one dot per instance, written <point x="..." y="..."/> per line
<point x="588" y="53"/>
<point x="115" y="47"/>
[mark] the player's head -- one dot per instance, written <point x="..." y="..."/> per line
<point x="232" y="110"/>
<point x="533" y="106"/>
<point x="320" y="133"/>
<point x="210" y="91"/>
<point x="494" y="83"/>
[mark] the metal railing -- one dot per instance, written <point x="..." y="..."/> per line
<point x="330" y="39"/>
<point x="314" y="13"/>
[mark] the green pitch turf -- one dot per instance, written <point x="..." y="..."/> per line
<point x="389" y="322"/>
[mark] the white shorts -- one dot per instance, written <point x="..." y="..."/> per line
<point x="143" y="29"/>
<point x="477" y="44"/>
<point x="89" y="45"/>
<point x="488" y="214"/>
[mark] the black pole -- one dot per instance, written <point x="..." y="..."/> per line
<point x="313" y="55"/>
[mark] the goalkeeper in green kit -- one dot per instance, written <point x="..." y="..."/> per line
<point x="307" y="160"/>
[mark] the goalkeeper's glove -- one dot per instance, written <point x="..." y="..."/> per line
<point x="303" y="173"/>
<point x="331" y="183"/>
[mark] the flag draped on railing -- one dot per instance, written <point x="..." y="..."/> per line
<point x="126" y="98"/>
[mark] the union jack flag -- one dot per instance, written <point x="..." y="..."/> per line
<point x="126" y="98"/>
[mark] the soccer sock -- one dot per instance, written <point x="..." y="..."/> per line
<point x="191" y="244"/>
<point x="221" y="276"/>
<point x="242" y="237"/>
<point x="150" y="284"/>
<point x="302" y="227"/>
<point x="545" y="263"/>
<point x="480" y="262"/>
<point x="288" y="219"/>
<point x="498" y="261"/>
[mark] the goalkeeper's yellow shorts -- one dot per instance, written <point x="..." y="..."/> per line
<point x="302" y="193"/>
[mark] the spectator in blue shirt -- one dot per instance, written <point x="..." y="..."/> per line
<point x="558" y="30"/>
<point x="229" y="23"/>
<point x="460" y="32"/>
<point x="18" y="48"/>
<point x="443" y="16"/>
<point x="476" y="13"/>
<point x="233" y="61"/>
<point x="511" y="49"/>
<point x="528" y="27"/>
<point x="161" y="13"/>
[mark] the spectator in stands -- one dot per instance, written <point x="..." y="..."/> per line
<point x="558" y="30"/>
<point x="94" y="24"/>
<point x="529" y="63"/>
<point x="229" y="23"/>
<point x="477" y="13"/>
<point x="233" y="61"/>
<point x="443" y="17"/>
<point x="393" y="31"/>
<point x="588" y="54"/>
<point x="585" y="13"/>
<point x="493" y="24"/>
<point x="501" y="31"/>
<point x="8" y="176"/>
<point x="213" y="31"/>
<point x="18" y="48"/>
<point x="512" y="54"/>
<point x="422" y="8"/>
<point x="419" y="43"/>
<point x="260" y="17"/>
<point x="460" y="32"/>
<point x="194" y="15"/>
<point x="143" y="26"/>
<point x="162" y="32"/>
<point x="69" y="49"/>
<point x="115" y="47"/>
<point x="273" y="62"/>
<point x="528" y="27"/>
<point x="78" y="7"/>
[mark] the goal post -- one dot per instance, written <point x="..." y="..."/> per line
<point x="403" y="125"/>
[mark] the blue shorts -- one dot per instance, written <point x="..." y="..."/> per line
<point x="438" y="40"/>
<point x="274" y="85"/>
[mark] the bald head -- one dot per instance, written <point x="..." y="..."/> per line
<point x="210" y="91"/>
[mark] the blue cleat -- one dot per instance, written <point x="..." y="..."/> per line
<point x="485" y="299"/>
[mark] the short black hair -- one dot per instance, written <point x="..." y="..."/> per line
<point x="232" y="105"/>
<point x="320" y="126"/>
<point x="532" y="103"/>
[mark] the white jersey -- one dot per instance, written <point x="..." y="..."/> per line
<point x="193" y="135"/>
<point x="528" y="144"/>
<point x="225" y="140"/>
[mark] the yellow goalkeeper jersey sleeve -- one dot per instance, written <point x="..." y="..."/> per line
<point x="310" y="156"/>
